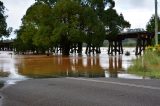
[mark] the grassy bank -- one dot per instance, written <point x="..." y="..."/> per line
<point x="4" y="74"/>
<point x="147" y="65"/>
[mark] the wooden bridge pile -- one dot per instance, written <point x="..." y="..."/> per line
<point x="143" y="39"/>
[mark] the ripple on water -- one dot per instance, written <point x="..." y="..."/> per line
<point x="23" y="67"/>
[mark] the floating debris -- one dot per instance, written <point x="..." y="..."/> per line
<point x="127" y="53"/>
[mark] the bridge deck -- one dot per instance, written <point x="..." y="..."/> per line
<point x="143" y="34"/>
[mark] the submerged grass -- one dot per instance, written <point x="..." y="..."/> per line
<point x="4" y="74"/>
<point x="147" y="65"/>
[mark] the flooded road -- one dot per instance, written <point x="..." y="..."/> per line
<point x="21" y="67"/>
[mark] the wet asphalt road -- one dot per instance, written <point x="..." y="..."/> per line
<point x="82" y="92"/>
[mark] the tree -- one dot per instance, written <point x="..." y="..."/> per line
<point x="67" y="31"/>
<point x="69" y="23"/>
<point x="150" y="27"/>
<point x="114" y="23"/>
<point x="76" y="23"/>
<point x="40" y="15"/>
<point x="49" y="2"/>
<point x="36" y="28"/>
<point x="151" y="24"/>
<point x="94" y="30"/>
<point x="3" y="25"/>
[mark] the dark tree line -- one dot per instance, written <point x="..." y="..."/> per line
<point x="150" y="27"/>
<point x="4" y="31"/>
<point x="64" y="25"/>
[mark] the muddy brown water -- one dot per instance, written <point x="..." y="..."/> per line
<point x="42" y="66"/>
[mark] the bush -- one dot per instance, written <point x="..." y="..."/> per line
<point x="148" y="64"/>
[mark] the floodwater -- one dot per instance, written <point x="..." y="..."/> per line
<point x="22" y="67"/>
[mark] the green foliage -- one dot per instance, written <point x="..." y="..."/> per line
<point x="150" y="27"/>
<point x="65" y="22"/>
<point x="94" y="28"/>
<point x="36" y="30"/>
<point x="114" y="23"/>
<point x="49" y="2"/>
<point x="148" y="65"/>
<point x="4" y="74"/>
<point x="151" y="24"/>
<point x="3" y="25"/>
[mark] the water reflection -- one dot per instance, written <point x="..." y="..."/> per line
<point x="58" y="66"/>
<point x="74" y="66"/>
<point x="115" y="65"/>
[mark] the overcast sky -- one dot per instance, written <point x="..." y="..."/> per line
<point x="137" y="12"/>
<point x="16" y="9"/>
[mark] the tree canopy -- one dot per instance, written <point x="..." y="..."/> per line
<point x="3" y="25"/>
<point x="49" y="23"/>
<point x="150" y="27"/>
<point x="151" y="24"/>
<point x="114" y="23"/>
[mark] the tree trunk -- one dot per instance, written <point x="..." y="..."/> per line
<point x="65" y="47"/>
<point x="79" y="48"/>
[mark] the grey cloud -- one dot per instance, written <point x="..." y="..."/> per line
<point x="137" y="12"/>
<point x="15" y="11"/>
<point x="135" y="4"/>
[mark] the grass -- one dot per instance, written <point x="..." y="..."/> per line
<point x="147" y="65"/>
<point x="4" y="74"/>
